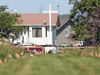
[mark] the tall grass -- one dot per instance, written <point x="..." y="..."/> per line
<point x="96" y="50"/>
<point x="7" y="48"/>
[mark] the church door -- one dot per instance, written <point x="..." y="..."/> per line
<point x="23" y="39"/>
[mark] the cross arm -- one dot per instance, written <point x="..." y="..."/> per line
<point x="54" y="11"/>
<point x="51" y="11"/>
<point x="45" y="11"/>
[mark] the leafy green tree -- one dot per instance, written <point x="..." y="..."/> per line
<point x="7" y="20"/>
<point x="86" y="16"/>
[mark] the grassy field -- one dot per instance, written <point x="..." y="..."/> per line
<point x="64" y="63"/>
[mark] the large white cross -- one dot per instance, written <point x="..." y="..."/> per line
<point x="50" y="20"/>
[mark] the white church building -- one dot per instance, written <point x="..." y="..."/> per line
<point x="38" y="29"/>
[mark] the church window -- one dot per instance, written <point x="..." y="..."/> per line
<point x="37" y="32"/>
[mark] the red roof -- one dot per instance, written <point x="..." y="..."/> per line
<point x="38" y="19"/>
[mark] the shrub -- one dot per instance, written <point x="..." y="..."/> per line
<point x="50" y="51"/>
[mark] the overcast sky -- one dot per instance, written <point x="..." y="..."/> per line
<point x="34" y="6"/>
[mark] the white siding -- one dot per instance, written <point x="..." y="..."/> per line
<point x="39" y="40"/>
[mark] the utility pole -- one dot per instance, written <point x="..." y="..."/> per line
<point x="58" y="9"/>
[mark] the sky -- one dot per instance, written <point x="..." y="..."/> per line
<point x="34" y="6"/>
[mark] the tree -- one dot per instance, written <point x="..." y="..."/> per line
<point x="85" y="14"/>
<point x="41" y="9"/>
<point x="7" y="20"/>
<point x="92" y="27"/>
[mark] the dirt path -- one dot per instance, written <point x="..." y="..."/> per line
<point x="26" y="69"/>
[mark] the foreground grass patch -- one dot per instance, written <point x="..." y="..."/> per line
<point x="65" y="63"/>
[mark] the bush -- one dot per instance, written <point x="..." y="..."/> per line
<point x="50" y="51"/>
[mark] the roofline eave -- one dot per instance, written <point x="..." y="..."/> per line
<point x="35" y="25"/>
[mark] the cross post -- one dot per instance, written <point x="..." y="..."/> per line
<point x="50" y="20"/>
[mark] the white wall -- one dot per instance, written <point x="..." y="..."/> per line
<point x="39" y="40"/>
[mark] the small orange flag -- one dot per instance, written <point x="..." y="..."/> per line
<point x="86" y="53"/>
<point x="31" y="55"/>
<point x="98" y="55"/>
<point x="42" y="51"/>
<point x="17" y="55"/>
<point x="36" y="53"/>
<point x="89" y="53"/>
<point x="5" y="59"/>
<point x="0" y="61"/>
<point x="22" y="53"/>
<point x="81" y="53"/>
<point x="9" y="56"/>
<point x="28" y="53"/>
<point x="72" y="51"/>
<point x="76" y="53"/>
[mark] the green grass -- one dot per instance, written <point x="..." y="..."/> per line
<point x="7" y="48"/>
<point x="66" y="63"/>
<point x="52" y="64"/>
